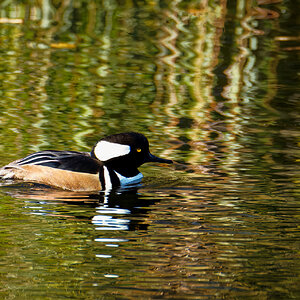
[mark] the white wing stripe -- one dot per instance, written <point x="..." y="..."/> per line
<point x="37" y="159"/>
<point x="45" y="156"/>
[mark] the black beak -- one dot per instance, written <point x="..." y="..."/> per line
<point x="153" y="158"/>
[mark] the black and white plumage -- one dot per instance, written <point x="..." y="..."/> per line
<point x="113" y="162"/>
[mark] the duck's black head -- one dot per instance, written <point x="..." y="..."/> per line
<point x="125" y="151"/>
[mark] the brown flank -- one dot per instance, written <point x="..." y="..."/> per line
<point x="68" y="180"/>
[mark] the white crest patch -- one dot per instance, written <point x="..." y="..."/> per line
<point x="106" y="150"/>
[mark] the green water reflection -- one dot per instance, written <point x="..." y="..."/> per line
<point x="215" y="87"/>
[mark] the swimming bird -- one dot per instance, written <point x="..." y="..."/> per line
<point x="113" y="162"/>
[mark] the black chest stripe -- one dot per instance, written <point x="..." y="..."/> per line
<point x="101" y="178"/>
<point x="115" y="181"/>
<point x="113" y="178"/>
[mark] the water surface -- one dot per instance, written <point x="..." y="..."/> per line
<point x="215" y="87"/>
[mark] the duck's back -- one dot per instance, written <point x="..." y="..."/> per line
<point x="71" y="170"/>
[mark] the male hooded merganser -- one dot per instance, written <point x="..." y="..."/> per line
<point x="113" y="162"/>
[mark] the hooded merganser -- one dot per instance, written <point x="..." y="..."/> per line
<point x="113" y="162"/>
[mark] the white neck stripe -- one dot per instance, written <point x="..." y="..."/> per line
<point x="107" y="181"/>
<point x="123" y="180"/>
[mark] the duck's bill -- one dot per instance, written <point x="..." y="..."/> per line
<point x="153" y="158"/>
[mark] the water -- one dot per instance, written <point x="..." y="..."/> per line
<point x="215" y="87"/>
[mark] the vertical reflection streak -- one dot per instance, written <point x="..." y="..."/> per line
<point x="166" y="63"/>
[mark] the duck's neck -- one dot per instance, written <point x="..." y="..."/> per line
<point x="124" y="170"/>
<point x="112" y="178"/>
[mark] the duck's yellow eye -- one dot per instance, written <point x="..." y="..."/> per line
<point x="138" y="150"/>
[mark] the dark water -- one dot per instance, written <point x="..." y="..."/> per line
<point x="215" y="87"/>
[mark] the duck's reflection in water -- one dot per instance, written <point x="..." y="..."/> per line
<point x="118" y="210"/>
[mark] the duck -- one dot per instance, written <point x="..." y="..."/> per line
<point x="112" y="163"/>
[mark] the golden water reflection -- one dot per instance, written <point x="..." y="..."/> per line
<point x="76" y="81"/>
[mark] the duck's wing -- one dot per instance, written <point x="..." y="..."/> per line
<point x="66" y="160"/>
